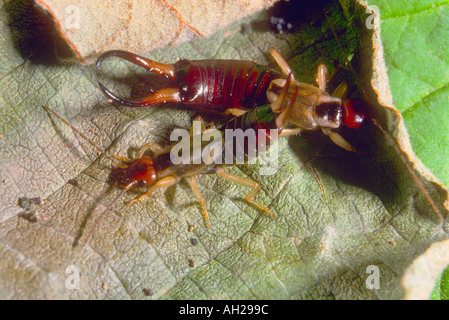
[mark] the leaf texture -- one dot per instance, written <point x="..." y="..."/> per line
<point x="91" y="27"/>
<point x="338" y="213"/>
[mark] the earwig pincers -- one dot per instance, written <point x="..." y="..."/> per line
<point x="213" y="84"/>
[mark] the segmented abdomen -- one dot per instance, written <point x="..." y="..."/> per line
<point x="243" y="139"/>
<point x="249" y="134"/>
<point x="223" y="84"/>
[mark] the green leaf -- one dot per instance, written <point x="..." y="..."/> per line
<point x="441" y="290"/>
<point x="415" y="39"/>
<point x="416" y="43"/>
<point x="343" y="218"/>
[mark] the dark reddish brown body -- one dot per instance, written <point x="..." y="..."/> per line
<point x="224" y="84"/>
<point x="213" y="84"/>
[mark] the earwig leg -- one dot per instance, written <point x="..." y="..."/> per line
<point x="341" y="91"/>
<point x="321" y="77"/>
<point x="201" y="199"/>
<point x="339" y="140"/>
<point x="122" y="159"/>
<point x="162" y="69"/>
<point x="202" y="127"/>
<point x="154" y="147"/>
<point x="234" y="112"/>
<point x="282" y="118"/>
<point x="282" y="63"/>
<point x="161" y="96"/>
<point x="163" y="183"/>
<point x="290" y="132"/>
<point x="248" y="183"/>
<point x="276" y="105"/>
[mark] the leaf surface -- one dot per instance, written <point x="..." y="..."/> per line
<point x="367" y="212"/>
<point x="91" y="27"/>
<point x="415" y="39"/>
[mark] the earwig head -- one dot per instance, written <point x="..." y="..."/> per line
<point x="356" y="113"/>
<point x="352" y="113"/>
<point x="141" y="172"/>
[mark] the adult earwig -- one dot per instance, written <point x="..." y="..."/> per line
<point x="159" y="171"/>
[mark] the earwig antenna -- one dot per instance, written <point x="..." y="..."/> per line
<point x="395" y="145"/>
<point x="84" y="137"/>
<point x="128" y="186"/>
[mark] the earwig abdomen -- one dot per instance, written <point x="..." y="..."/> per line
<point x="256" y="122"/>
<point x="224" y="84"/>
